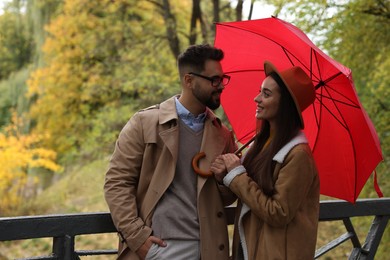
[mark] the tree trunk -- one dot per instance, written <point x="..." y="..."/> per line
<point x="171" y="29"/>
<point x="216" y="10"/>
<point x="194" y="18"/>
<point x="251" y="10"/>
<point x="170" y="24"/>
<point x="239" y="10"/>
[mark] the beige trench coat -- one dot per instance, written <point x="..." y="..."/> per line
<point x="284" y="226"/>
<point x="143" y="166"/>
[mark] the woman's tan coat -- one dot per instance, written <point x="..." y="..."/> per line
<point x="285" y="225"/>
<point x="143" y="166"/>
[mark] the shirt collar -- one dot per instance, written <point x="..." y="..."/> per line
<point x="184" y="113"/>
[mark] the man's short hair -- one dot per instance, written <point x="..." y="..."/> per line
<point x="195" y="57"/>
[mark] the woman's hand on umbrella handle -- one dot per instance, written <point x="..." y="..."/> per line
<point x="219" y="169"/>
<point x="231" y="161"/>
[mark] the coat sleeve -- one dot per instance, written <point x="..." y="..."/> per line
<point x="292" y="185"/>
<point x="121" y="184"/>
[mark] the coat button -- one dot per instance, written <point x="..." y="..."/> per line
<point x="219" y="214"/>
<point x="221" y="247"/>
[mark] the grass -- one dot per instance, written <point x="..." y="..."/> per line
<point x="79" y="190"/>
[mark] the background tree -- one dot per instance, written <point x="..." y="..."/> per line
<point x="91" y="64"/>
<point x="21" y="36"/>
<point x="15" y="39"/>
<point x="15" y="54"/>
<point x="104" y="59"/>
<point x="19" y="154"/>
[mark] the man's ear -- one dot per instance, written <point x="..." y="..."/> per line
<point x="188" y="80"/>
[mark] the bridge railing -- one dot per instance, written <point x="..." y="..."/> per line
<point x="63" y="229"/>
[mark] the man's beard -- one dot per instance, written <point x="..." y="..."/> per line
<point x="213" y="104"/>
<point x="208" y="99"/>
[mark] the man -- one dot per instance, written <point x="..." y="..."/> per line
<point x="160" y="207"/>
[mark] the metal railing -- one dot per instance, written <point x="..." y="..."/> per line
<point x="64" y="228"/>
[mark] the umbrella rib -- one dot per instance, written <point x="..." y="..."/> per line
<point x="335" y="104"/>
<point x="324" y="82"/>
<point x="352" y="103"/>
<point x="339" y="101"/>
<point x="343" y="124"/>
<point x="312" y="52"/>
<point x="238" y="71"/>
<point x="287" y="52"/>
<point x="331" y="113"/>
<point x="246" y="135"/>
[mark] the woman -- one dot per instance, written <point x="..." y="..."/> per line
<point x="277" y="183"/>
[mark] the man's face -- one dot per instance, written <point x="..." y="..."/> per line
<point x="207" y="94"/>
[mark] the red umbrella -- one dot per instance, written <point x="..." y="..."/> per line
<point x="342" y="137"/>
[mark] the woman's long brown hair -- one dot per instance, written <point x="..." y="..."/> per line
<point x="258" y="161"/>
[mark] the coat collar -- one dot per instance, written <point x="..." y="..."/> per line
<point x="300" y="138"/>
<point x="168" y="112"/>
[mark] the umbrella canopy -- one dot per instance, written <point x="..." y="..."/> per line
<point x="341" y="135"/>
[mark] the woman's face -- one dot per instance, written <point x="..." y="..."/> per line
<point x="268" y="100"/>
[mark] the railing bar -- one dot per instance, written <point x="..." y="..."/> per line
<point x="374" y="235"/>
<point x="333" y="244"/>
<point x="96" y="252"/>
<point x="71" y="224"/>
<point x="18" y="228"/>
<point x="359" y="254"/>
<point x="355" y="240"/>
<point x="64" y="228"/>
<point x="336" y="209"/>
<point x="52" y="257"/>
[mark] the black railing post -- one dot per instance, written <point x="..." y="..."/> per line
<point x="373" y="239"/>
<point x="354" y="238"/>
<point x="63" y="248"/>
<point x="59" y="247"/>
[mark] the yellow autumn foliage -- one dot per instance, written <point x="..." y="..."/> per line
<point x="18" y="155"/>
<point x="100" y="56"/>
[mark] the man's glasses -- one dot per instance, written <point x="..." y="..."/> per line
<point x="216" y="81"/>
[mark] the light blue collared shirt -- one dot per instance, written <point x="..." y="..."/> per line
<point x="195" y="123"/>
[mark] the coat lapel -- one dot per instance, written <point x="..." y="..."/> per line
<point x="169" y="133"/>
<point x="168" y="122"/>
<point x="213" y="144"/>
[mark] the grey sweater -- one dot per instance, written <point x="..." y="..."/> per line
<point x="176" y="214"/>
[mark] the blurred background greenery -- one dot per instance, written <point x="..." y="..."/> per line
<point x="72" y="72"/>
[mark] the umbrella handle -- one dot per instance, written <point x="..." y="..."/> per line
<point x="196" y="168"/>
<point x="201" y="155"/>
